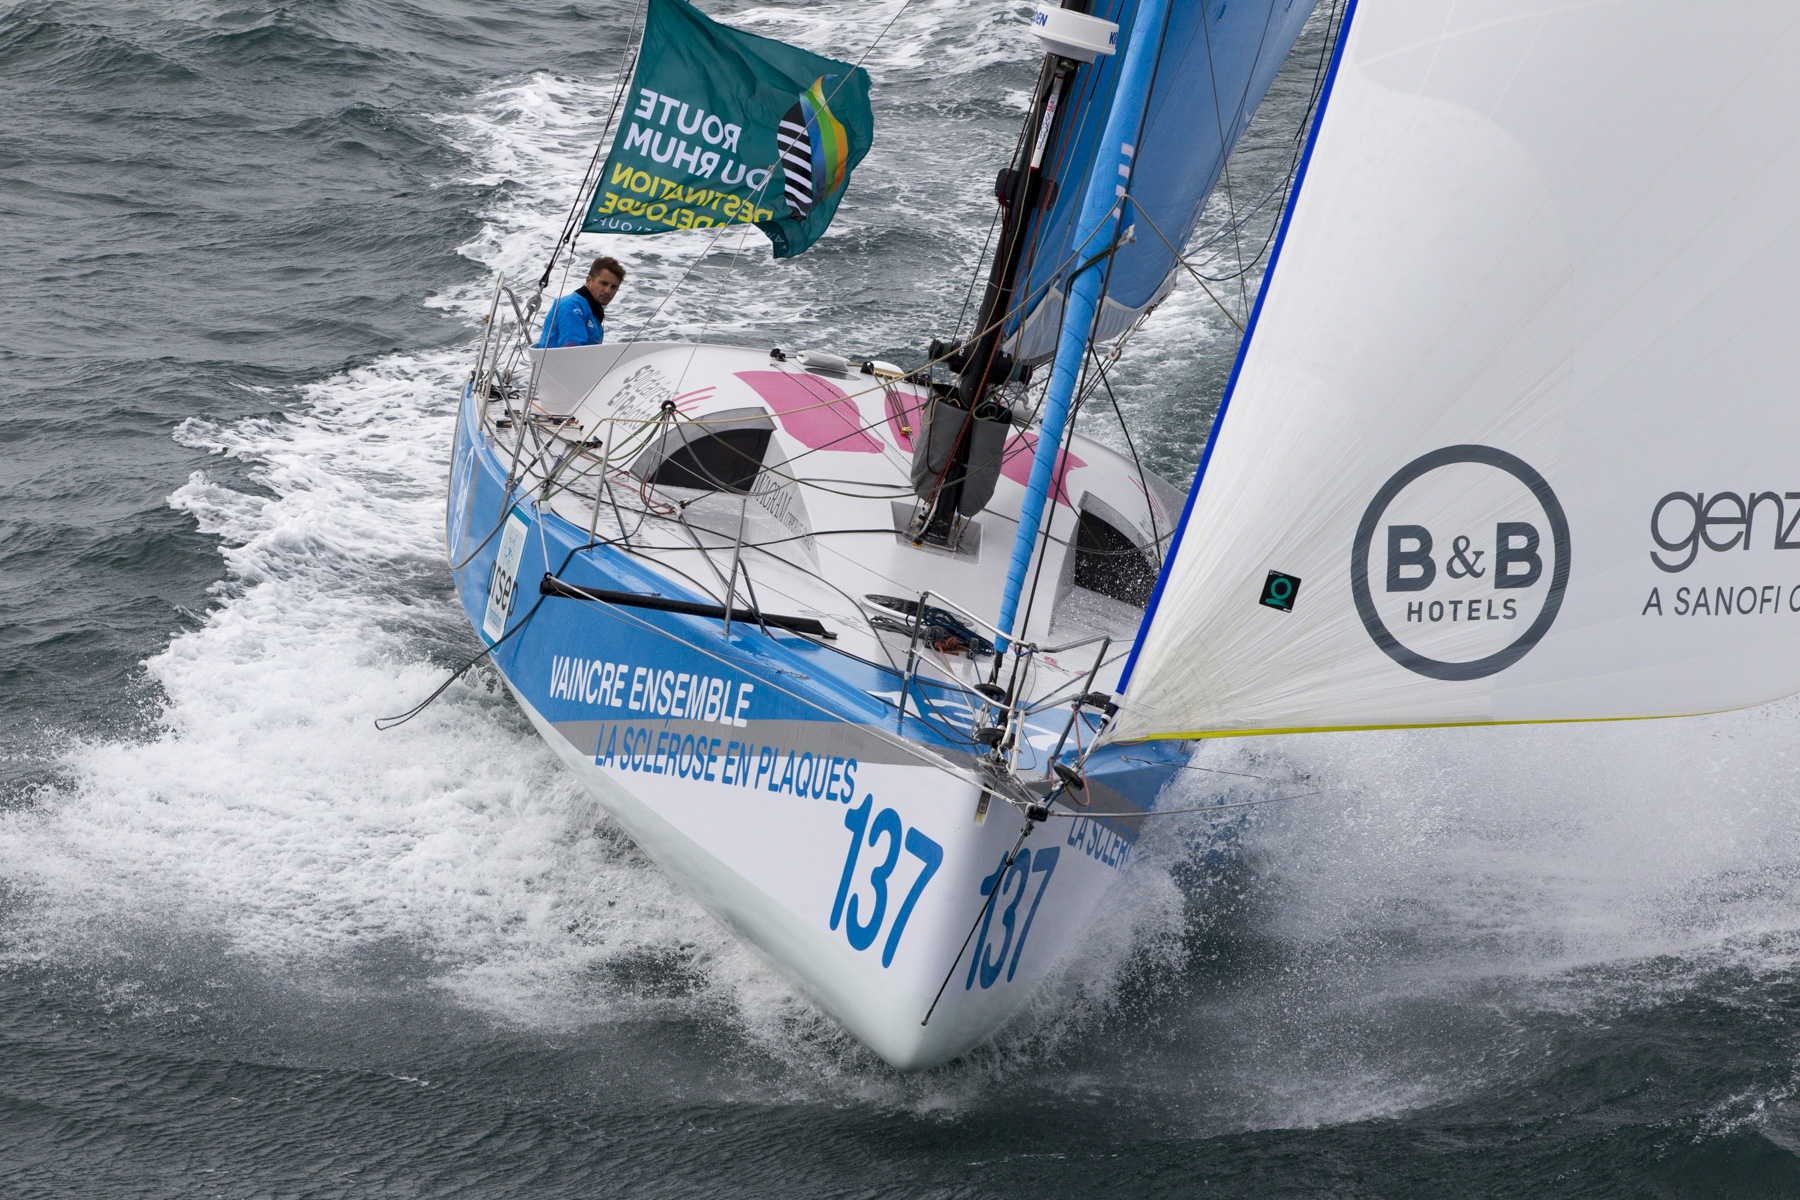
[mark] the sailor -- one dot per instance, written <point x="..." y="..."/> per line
<point x="578" y="319"/>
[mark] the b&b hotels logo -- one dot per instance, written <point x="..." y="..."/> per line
<point x="1460" y="562"/>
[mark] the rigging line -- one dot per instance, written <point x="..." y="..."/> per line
<point x="865" y="54"/>
<point x="1046" y="80"/>
<point x="946" y="727"/>
<point x="1059" y="477"/>
<point x="1281" y="189"/>
<point x="706" y="552"/>
<point x="798" y="537"/>
<point x="894" y="491"/>
<point x="1255" y="259"/>
<point x="1262" y="43"/>
<point x="1239" y="116"/>
<point x="869" y="426"/>
<point x="1172" y="812"/>
<point x="858" y="609"/>
<point x="866" y="427"/>
<point x="624" y="73"/>
<point x="987" y="244"/>
<point x="923" y="754"/>
<point x="725" y="600"/>
<point x="1056" y="699"/>
<point x="1332" y="18"/>
<point x="639" y="333"/>
<point x="661" y="563"/>
<point x="1023" y="302"/>
<point x="999" y="878"/>
<point x="1212" y="70"/>
<point x="568" y="480"/>
<point x="1229" y="315"/>
<point x="697" y="586"/>
<point x="966" y="429"/>
<point x="1333" y="28"/>
<point x="1162" y="101"/>
<point x="1242" y="219"/>
<point x="1053" y="171"/>
<point x="1191" y="767"/>
<point x="938" y="721"/>
<point x="1299" y="138"/>
<point x="505" y="511"/>
<point x="386" y="723"/>
<point x="1149" y="505"/>
<point x="770" y="177"/>
<point x="612" y="496"/>
<point x="713" y="309"/>
<point x="755" y="604"/>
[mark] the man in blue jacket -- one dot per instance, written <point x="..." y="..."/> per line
<point x="578" y="319"/>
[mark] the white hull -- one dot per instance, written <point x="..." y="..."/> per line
<point x="771" y="877"/>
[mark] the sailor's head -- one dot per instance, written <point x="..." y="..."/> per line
<point x="604" y="278"/>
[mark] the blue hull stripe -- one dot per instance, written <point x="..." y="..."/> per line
<point x="601" y="673"/>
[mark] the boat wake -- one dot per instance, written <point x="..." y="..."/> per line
<point x="1446" y="906"/>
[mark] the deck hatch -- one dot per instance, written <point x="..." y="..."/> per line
<point x="717" y="452"/>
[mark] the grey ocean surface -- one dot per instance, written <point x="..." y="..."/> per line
<point x="249" y="947"/>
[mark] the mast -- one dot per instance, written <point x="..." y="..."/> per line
<point x="983" y="366"/>
<point x="1102" y="208"/>
<point x="1019" y="191"/>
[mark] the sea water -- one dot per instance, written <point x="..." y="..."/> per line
<point x="250" y="946"/>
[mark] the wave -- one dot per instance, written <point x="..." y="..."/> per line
<point x="1370" y="950"/>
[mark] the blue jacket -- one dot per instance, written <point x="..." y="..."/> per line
<point x="572" y="323"/>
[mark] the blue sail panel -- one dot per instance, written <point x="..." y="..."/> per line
<point x="1217" y="60"/>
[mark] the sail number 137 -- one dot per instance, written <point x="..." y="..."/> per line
<point x="886" y="830"/>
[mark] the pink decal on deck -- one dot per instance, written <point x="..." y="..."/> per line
<point x="813" y="411"/>
<point x="1016" y="465"/>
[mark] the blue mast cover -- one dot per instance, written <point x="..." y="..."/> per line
<point x="1216" y="61"/>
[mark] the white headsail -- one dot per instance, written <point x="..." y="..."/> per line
<point x="1518" y="411"/>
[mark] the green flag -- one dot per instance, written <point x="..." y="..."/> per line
<point x="724" y="127"/>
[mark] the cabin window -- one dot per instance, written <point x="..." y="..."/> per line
<point x="717" y="452"/>
<point x="1108" y="562"/>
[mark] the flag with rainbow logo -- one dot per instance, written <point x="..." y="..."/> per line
<point x="723" y="127"/>
<point x="815" y="150"/>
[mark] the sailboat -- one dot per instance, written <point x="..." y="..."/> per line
<point x="890" y="668"/>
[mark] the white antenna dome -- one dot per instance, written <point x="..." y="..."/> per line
<point x="1072" y="34"/>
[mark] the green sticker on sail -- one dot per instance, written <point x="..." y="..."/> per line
<point x="1279" y="591"/>
<point x="724" y="127"/>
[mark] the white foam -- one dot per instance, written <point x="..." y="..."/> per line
<point x="1395" y="936"/>
<point x="269" y="815"/>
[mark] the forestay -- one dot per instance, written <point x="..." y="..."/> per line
<point x="1216" y="61"/>
<point x="1516" y="410"/>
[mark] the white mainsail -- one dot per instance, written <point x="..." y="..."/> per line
<point x="1518" y="407"/>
